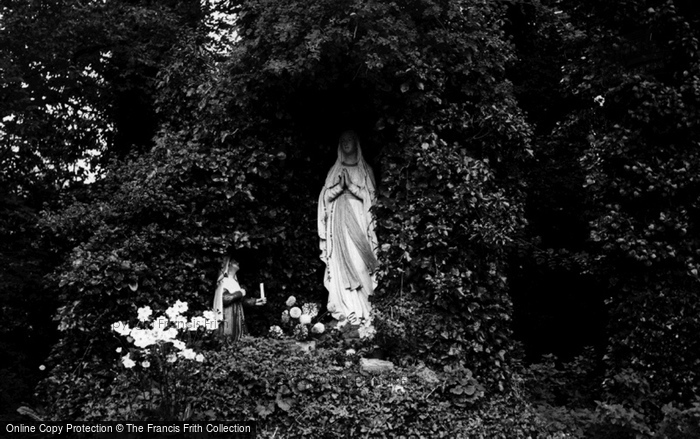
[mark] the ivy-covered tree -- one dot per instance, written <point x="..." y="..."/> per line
<point x="77" y="83"/>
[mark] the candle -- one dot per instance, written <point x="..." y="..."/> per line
<point x="262" y="290"/>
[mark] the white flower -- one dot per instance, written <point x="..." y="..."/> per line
<point x="171" y="358"/>
<point x="119" y="350"/>
<point x="295" y="312"/>
<point x="275" y="331"/>
<point x="331" y="307"/>
<point x="199" y="357"/>
<point x="318" y="328"/>
<point x="128" y="362"/>
<point x="176" y="310"/>
<point x="168" y="335"/>
<point x="121" y="328"/>
<point x="210" y="317"/>
<point x="173" y="313"/>
<point x="291" y="301"/>
<point x="300" y="332"/>
<point x="366" y="331"/>
<point x="142" y="337"/>
<point x="179" y="345"/>
<point x="350" y="352"/>
<point x="188" y="354"/>
<point x="42" y="367"/>
<point x="181" y="306"/>
<point x="311" y="309"/>
<point x="145" y="313"/>
<point x="146" y="364"/>
<point x="305" y="319"/>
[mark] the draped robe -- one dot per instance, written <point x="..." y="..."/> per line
<point x="348" y="241"/>
<point x="229" y="302"/>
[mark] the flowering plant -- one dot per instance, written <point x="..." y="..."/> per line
<point x="298" y="321"/>
<point x="161" y="356"/>
<point x="366" y="330"/>
<point x="352" y="328"/>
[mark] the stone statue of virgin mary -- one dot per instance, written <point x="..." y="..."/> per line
<point x="348" y="241"/>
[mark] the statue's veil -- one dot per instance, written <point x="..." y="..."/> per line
<point x="218" y="305"/>
<point x="365" y="170"/>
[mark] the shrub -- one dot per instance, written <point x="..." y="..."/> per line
<point x="317" y="394"/>
<point x="444" y="283"/>
<point x="569" y="399"/>
<point x="680" y="423"/>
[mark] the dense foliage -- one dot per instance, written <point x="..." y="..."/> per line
<point x="322" y="394"/>
<point x="640" y="73"/>
<point x="536" y="161"/>
<point x="76" y="88"/>
<point x="627" y="140"/>
<point x="242" y="171"/>
<point x="446" y="294"/>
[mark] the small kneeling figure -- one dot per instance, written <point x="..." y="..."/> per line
<point x="230" y="299"/>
